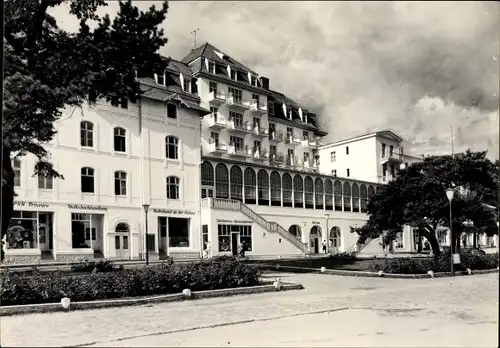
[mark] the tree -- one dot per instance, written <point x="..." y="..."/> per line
<point x="417" y="198"/>
<point x="47" y="69"/>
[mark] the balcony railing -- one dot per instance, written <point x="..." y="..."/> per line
<point x="214" y="147"/>
<point x="256" y="108"/>
<point x="216" y="121"/>
<point x="395" y="157"/>
<point x="239" y="128"/>
<point x="276" y="136"/>
<point x="236" y="102"/>
<point x="216" y="98"/>
<point x="236" y="151"/>
<point x="260" y="154"/>
<point x="276" y="158"/>
<point x="260" y="131"/>
<point x="291" y="161"/>
<point x="315" y="142"/>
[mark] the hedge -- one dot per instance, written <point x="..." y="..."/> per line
<point x="440" y="264"/>
<point x="153" y="280"/>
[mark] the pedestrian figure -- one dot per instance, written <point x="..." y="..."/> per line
<point x="324" y="246"/>
<point x="242" y="249"/>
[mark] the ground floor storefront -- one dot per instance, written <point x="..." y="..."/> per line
<point x="40" y="231"/>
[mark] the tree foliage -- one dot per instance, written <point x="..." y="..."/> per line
<point x="417" y="197"/>
<point x="47" y="68"/>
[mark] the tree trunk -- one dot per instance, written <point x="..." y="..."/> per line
<point x="474" y="239"/>
<point x="430" y="234"/>
<point x="7" y="195"/>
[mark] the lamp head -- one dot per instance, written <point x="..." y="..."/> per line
<point x="146" y="207"/>
<point x="449" y="193"/>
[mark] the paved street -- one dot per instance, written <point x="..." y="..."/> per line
<point x="333" y="310"/>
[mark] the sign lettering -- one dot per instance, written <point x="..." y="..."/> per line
<point x="316" y="223"/>
<point x="31" y="204"/>
<point x="235" y="221"/>
<point x="173" y="212"/>
<point x="87" y="207"/>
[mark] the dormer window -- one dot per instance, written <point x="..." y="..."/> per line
<point x="289" y="113"/>
<point x="270" y="107"/>
<point x="211" y="67"/>
<point x="160" y="79"/>
<point x="234" y="76"/>
<point x="253" y="80"/>
<point x="304" y="116"/>
<point x="187" y="86"/>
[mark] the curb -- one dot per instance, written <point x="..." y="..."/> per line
<point x="367" y="273"/>
<point x="195" y="295"/>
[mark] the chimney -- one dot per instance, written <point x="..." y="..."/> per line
<point x="264" y="81"/>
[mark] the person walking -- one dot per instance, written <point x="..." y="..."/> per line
<point x="324" y="246"/>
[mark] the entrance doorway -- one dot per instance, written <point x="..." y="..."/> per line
<point x="235" y="242"/>
<point x="335" y="239"/>
<point x="122" y="249"/>
<point x="314" y="239"/>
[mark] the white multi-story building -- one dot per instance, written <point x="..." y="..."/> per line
<point x="374" y="157"/>
<point x="115" y="157"/>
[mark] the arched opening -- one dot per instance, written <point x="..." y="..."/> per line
<point x="263" y="187"/>
<point x="287" y="190"/>
<point x="364" y="197"/>
<point x="295" y="230"/>
<point x="318" y="193"/>
<point x="337" y="191"/>
<point x="347" y="196"/>
<point x="275" y="189"/>
<point x="221" y="181"/>
<point x="335" y="239"/>
<point x="328" y="194"/>
<point x="298" y="191"/>
<point x="207" y="180"/>
<point x="309" y="192"/>
<point x="236" y="179"/>
<point x="371" y="191"/>
<point x="315" y="239"/>
<point x="122" y="248"/>
<point x="250" y="186"/>
<point x="355" y="198"/>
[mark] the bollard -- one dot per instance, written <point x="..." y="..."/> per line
<point x="186" y="293"/>
<point x="65" y="303"/>
<point x="431" y="273"/>
<point x="323" y="269"/>
<point x="277" y="284"/>
<point x="380" y="273"/>
<point x="469" y="271"/>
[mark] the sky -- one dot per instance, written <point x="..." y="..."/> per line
<point x="419" y="69"/>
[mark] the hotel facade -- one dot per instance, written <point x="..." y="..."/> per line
<point x="209" y="157"/>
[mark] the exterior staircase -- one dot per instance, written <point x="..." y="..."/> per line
<point x="271" y="227"/>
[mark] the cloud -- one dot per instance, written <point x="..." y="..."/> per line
<point x="364" y="65"/>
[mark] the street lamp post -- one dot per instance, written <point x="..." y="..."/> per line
<point x="146" y="208"/>
<point x="327" y="236"/>
<point x="449" y="193"/>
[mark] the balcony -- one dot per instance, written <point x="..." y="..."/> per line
<point x="257" y="109"/>
<point x="216" y="122"/>
<point x="260" y="154"/>
<point x="310" y="165"/>
<point x="276" y="136"/>
<point x="260" y="131"/>
<point x="396" y="158"/>
<point x="314" y="142"/>
<point x="215" y="148"/>
<point x="291" y="140"/>
<point x="276" y="159"/>
<point x="290" y="161"/>
<point x="244" y="128"/>
<point x="236" y="104"/>
<point x="234" y="151"/>
<point x="216" y="98"/>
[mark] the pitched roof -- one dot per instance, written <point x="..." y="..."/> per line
<point x="209" y="51"/>
<point x="388" y="134"/>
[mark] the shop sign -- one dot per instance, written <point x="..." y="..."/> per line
<point x="30" y="204"/>
<point x="87" y="207"/>
<point x="316" y="223"/>
<point x="173" y="212"/>
<point x="234" y="221"/>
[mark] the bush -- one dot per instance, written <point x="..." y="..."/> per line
<point x="153" y="280"/>
<point x="90" y="266"/>
<point x="439" y="264"/>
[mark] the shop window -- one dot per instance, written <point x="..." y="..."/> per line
<point x="22" y="232"/>
<point x="178" y="230"/>
<point x="85" y="230"/>
<point x="16" y="166"/>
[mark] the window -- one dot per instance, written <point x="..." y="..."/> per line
<point x="236" y="142"/>
<point x="171" y="110"/>
<point x="87" y="180"/>
<point x="236" y="179"/>
<point x="272" y="128"/>
<point x="333" y="156"/>
<point x="287" y="190"/>
<point x="305" y="116"/>
<point x="124" y="103"/>
<point x="255" y="99"/>
<point x="289" y="113"/>
<point x="275" y="189"/>
<point x="263" y="187"/>
<point x="212" y="87"/>
<point x="45" y="182"/>
<point x="178" y="232"/>
<point x="441" y="236"/>
<point x="347" y="150"/>
<point x="393" y="171"/>
<point x="120" y="183"/>
<point x="172" y="147"/>
<point x="246" y="236"/>
<point x="306" y="157"/>
<point x="86" y="134"/>
<point x="16" y="166"/>
<point x="160" y="79"/>
<point x="215" y="137"/>
<point x="298" y="191"/>
<point x="291" y="153"/>
<point x="207" y="174"/>
<point x="224" y="237"/>
<point x="236" y="118"/>
<point x="334" y="172"/>
<point x="173" y="187"/>
<point x="253" y="81"/>
<point x="348" y="172"/>
<point x="272" y="150"/>
<point x="221" y="181"/>
<point x="187" y="86"/>
<point x="318" y="193"/>
<point x="234" y="75"/>
<point x="309" y="192"/>
<point x="305" y="135"/>
<point x="383" y="150"/>
<point x="250" y="182"/>
<point x="256" y="145"/>
<point x="289" y="132"/>
<point x="398" y="243"/>
<point x="270" y="108"/>
<point x="211" y="67"/>
<point x="204" y="234"/>
<point x="256" y="123"/>
<point x="85" y="228"/>
<point x="236" y="94"/>
<point x="214" y="112"/>
<point x="120" y="139"/>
